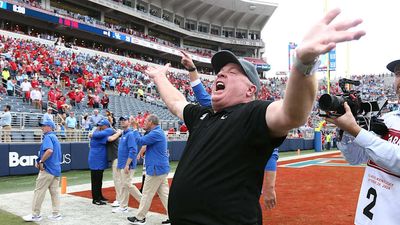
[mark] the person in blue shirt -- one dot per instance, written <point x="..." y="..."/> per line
<point x="157" y="169"/>
<point x="98" y="159"/>
<point x="71" y="124"/>
<point x="204" y="99"/>
<point x="127" y="152"/>
<point x="112" y="83"/>
<point x="10" y="87"/>
<point x="49" y="165"/>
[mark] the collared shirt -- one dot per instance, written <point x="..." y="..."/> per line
<point x="98" y="153"/>
<point x="220" y="174"/>
<point x="5" y="119"/>
<point x="157" y="157"/>
<point x="367" y="146"/>
<point x="71" y="122"/>
<point x="26" y="86"/>
<point x="128" y="148"/>
<point x="204" y="99"/>
<point x="52" y="165"/>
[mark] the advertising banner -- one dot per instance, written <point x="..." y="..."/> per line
<point x="4" y="169"/>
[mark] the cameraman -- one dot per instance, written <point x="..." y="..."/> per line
<point x="378" y="201"/>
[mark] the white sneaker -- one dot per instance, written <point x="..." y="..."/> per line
<point x="120" y="210"/>
<point x="115" y="204"/>
<point x="32" y="218"/>
<point x="55" y="217"/>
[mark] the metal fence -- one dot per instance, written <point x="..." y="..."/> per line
<point x="69" y="135"/>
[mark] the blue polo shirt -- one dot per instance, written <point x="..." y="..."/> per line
<point x="156" y="157"/>
<point x="52" y="165"/>
<point x="128" y="148"/>
<point x="98" y="152"/>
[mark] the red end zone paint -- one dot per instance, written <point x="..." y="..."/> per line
<point x="314" y="195"/>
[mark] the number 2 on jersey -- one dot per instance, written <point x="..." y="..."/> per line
<point x="367" y="210"/>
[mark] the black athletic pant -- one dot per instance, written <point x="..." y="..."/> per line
<point x="97" y="182"/>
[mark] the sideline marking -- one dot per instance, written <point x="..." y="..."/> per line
<point x="321" y="162"/>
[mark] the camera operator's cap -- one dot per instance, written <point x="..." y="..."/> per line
<point x="48" y="123"/>
<point x="392" y="65"/>
<point x="104" y="122"/>
<point x="221" y="58"/>
<point x="124" y="118"/>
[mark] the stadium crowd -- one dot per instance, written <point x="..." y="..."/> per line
<point x="67" y="78"/>
<point x="127" y="29"/>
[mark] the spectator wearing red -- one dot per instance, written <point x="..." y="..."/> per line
<point x="183" y="128"/>
<point x="34" y="82"/>
<point x="90" y="102"/>
<point x="140" y="119"/>
<point x="62" y="106"/>
<point x="28" y="70"/>
<point x="105" y="100"/>
<point x="80" y="80"/>
<point x="13" y="68"/>
<point x="171" y="131"/>
<point x="58" y="93"/>
<point x="79" y="96"/>
<point x="71" y="95"/>
<point x="67" y="81"/>
<point x="51" y="96"/>
<point x="146" y="114"/>
<point x="90" y="85"/>
<point x="48" y="82"/>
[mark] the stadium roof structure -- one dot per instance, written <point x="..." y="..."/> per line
<point x="247" y="14"/>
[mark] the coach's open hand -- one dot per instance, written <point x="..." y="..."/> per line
<point x="155" y="72"/>
<point x="324" y="36"/>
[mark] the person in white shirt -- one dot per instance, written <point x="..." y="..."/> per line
<point x="26" y="88"/>
<point x="378" y="202"/>
<point x="36" y="97"/>
<point x="48" y="115"/>
<point x="5" y="123"/>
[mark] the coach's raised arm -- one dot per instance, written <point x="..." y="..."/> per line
<point x="301" y="88"/>
<point x="219" y="177"/>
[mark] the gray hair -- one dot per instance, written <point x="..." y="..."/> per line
<point x="153" y="119"/>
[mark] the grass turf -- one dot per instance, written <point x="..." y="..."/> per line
<point x="7" y="218"/>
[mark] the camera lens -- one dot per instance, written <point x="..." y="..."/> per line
<point x="329" y="102"/>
